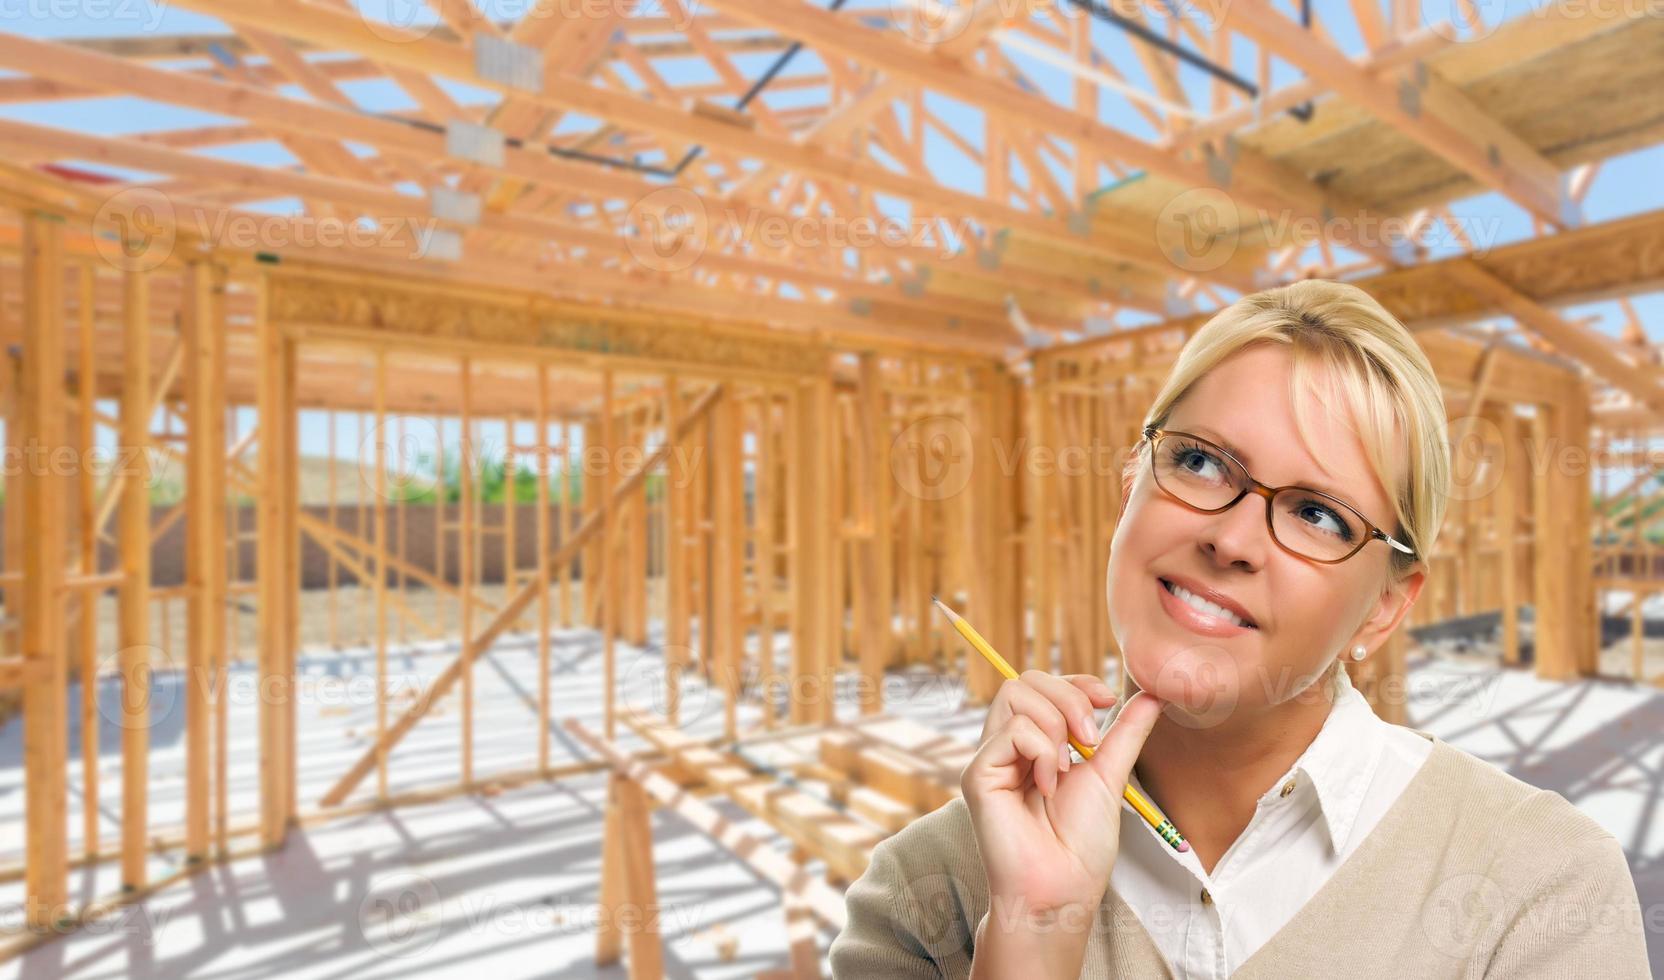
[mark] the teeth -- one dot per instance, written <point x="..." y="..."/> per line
<point x="1197" y="602"/>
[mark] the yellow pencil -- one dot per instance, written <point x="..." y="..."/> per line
<point x="1145" y="808"/>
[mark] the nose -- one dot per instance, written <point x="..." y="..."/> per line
<point x="1237" y="536"/>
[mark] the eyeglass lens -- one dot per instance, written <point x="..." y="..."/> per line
<point x="1301" y="520"/>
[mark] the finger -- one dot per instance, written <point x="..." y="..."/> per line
<point x="1027" y="701"/>
<point x="1095" y="688"/>
<point x="1070" y="700"/>
<point x="1031" y="743"/>
<point x="1113" y="761"/>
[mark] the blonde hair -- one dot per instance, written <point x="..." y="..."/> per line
<point x="1376" y="370"/>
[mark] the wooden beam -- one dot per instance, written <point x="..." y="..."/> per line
<point x="511" y="610"/>
<point x="562" y="92"/>
<point x="204" y="331"/>
<point x="1568" y="337"/>
<point x="273" y="539"/>
<point x="134" y="600"/>
<point x="1272" y="185"/>
<point x="44" y="490"/>
<point x="826" y="902"/>
<point x="1424" y="107"/>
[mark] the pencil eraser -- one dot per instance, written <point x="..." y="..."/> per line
<point x="1184" y="845"/>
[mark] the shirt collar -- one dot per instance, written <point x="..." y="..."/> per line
<point x="1339" y="765"/>
<point x="1340" y="762"/>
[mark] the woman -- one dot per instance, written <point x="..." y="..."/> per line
<point x="1323" y="841"/>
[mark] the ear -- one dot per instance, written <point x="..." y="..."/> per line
<point x="1390" y="609"/>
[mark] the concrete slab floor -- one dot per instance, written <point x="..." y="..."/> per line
<point x="505" y="886"/>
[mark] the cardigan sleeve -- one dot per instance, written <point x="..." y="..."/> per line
<point x="1584" y="921"/>
<point x="912" y="912"/>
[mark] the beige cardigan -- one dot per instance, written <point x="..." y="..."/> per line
<point x="1471" y="873"/>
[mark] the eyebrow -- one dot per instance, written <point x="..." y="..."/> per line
<point x="1214" y="435"/>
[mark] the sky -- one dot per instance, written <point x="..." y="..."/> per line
<point x="1626" y="185"/>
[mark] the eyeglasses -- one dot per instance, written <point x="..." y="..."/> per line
<point x="1307" y="523"/>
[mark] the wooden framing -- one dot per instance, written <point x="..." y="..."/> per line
<point x="828" y="430"/>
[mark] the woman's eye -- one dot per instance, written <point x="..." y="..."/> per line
<point x="1324" y="519"/>
<point x="1196" y="461"/>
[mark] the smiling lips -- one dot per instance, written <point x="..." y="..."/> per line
<point x="1200" y="615"/>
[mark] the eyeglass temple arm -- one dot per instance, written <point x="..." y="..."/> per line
<point x="1389" y="539"/>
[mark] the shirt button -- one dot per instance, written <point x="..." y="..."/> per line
<point x="1206" y="898"/>
<point x="1288" y="788"/>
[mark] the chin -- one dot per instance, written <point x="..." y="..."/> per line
<point x="1198" y="683"/>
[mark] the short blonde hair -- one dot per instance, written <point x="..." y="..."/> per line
<point x="1378" y="372"/>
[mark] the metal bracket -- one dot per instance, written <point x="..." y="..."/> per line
<point x="475" y="143"/>
<point x="505" y="62"/>
<point x="454" y="206"/>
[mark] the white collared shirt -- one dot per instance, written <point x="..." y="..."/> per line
<point x="1303" y="828"/>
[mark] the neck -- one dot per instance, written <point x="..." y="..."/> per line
<point x="1208" y="781"/>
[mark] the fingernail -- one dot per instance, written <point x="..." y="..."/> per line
<point x="1086" y="729"/>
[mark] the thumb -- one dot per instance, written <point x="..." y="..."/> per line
<point x="1113" y="757"/>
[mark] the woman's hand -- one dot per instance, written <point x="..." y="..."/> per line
<point x="1049" y="831"/>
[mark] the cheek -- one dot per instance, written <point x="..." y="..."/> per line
<point x="1310" y="631"/>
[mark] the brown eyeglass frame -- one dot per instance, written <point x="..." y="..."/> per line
<point x="1153" y="434"/>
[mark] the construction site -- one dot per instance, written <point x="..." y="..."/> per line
<point x="476" y="473"/>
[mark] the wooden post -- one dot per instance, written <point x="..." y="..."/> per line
<point x="1040" y="531"/>
<point x="41" y="411"/>
<point x="1584" y="625"/>
<point x="813" y="667"/>
<point x="205" y="535"/>
<point x="629" y="894"/>
<point x="332" y="515"/>
<point x="763" y="551"/>
<point x="988" y="541"/>
<point x="590" y="566"/>
<point x="403" y="536"/>
<point x="873" y="550"/>
<point x="727" y="494"/>
<point x="379" y="566"/>
<point x="1507" y="531"/>
<point x="676" y="625"/>
<point x="290" y="529"/>
<point x="135" y="588"/>
<point x="609" y="521"/>
<point x="441" y="528"/>
<point x="274" y="543"/>
<point x="543" y="625"/>
<point x="635" y="575"/>
<point x="86" y="500"/>
<point x="466" y="554"/>
<point x="508" y="525"/>
<point x="1554" y="659"/>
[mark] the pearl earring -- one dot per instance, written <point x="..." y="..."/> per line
<point x="1359" y="652"/>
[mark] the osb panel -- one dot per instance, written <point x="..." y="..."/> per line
<point x="1588" y="99"/>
